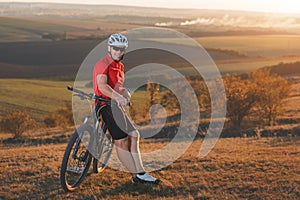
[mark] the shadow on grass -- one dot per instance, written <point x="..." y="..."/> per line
<point x="60" y="139"/>
<point x="138" y="190"/>
<point x="51" y="189"/>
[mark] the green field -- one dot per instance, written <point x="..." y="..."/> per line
<point x="37" y="97"/>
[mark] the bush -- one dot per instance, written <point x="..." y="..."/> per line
<point x="17" y="123"/>
<point x="270" y="89"/>
<point x="258" y="97"/>
<point x="62" y="117"/>
<point x="241" y="97"/>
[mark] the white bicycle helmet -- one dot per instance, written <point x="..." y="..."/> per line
<point x="118" y="40"/>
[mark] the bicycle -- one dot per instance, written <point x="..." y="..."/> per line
<point x="90" y="141"/>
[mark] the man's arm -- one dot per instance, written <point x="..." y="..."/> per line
<point x="108" y="91"/>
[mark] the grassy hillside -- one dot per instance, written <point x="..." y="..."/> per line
<point x="286" y="68"/>
<point x="37" y="97"/>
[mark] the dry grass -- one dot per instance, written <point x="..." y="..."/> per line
<point x="235" y="169"/>
<point x="240" y="168"/>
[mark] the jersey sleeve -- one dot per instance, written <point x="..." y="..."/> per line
<point x="100" y="68"/>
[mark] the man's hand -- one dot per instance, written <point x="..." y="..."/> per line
<point x="122" y="101"/>
<point x="126" y="94"/>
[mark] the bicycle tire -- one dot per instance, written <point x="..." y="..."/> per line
<point x="81" y="159"/>
<point x="104" y="150"/>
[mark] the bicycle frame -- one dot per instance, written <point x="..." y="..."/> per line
<point x="95" y="120"/>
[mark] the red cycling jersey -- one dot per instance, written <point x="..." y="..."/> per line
<point x="114" y="72"/>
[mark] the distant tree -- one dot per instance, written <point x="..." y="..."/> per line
<point x="17" y="123"/>
<point x="153" y="90"/>
<point x="202" y="93"/>
<point x="241" y="97"/>
<point x="271" y="89"/>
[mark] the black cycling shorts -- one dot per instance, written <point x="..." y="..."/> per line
<point x="116" y="120"/>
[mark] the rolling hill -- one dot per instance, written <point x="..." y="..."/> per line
<point x="20" y="29"/>
<point x="286" y="68"/>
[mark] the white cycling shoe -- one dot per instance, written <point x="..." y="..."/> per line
<point x="145" y="178"/>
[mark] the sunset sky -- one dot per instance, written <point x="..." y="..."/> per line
<point x="288" y="6"/>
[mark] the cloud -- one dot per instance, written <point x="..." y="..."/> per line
<point x="223" y="21"/>
<point x="204" y="21"/>
<point x="280" y="22"/>
<point x="164" y="24"/>
<point x="244" y="21"/>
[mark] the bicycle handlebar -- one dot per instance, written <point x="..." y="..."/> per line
<point x="83" y="95"/>
<point x="86" y="95"/>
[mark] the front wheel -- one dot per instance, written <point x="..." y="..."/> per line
<point x="104" y="148"/>
<point x="77" y="159"/>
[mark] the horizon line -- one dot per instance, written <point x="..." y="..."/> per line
<point x="160" y="7"/>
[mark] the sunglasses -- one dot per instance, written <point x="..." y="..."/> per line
<point x="122" y="49"/>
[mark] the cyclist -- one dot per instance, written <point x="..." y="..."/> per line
<point x="108" y="80"/>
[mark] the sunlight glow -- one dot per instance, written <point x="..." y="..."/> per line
<point x="284" y="7"/>
<point x="278" y="6"/>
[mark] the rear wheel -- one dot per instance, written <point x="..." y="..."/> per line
<point x="77" y="159"/>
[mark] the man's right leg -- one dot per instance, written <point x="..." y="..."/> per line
<point x="133" y="140"/>
<point x="141" y="175"/>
